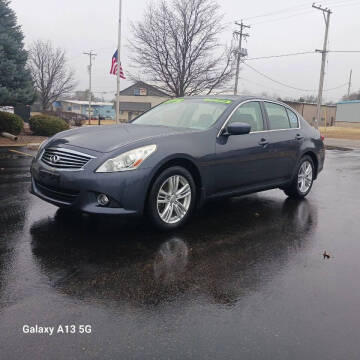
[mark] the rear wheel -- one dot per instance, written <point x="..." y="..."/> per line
<point x="171" y="198"/>
<point x="303" y="180"/>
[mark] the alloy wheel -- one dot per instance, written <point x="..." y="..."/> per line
<point x="173" y="199"/>
<point x="305" y="176"/>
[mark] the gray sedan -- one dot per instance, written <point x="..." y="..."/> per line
<point x="171" y="159"/>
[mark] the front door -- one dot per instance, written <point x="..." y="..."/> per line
<point x="242" y="161"/>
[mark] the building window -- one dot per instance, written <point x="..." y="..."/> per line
<point x="140" y="92"/>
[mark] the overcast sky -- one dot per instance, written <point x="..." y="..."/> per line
<point x="292" y="26"/>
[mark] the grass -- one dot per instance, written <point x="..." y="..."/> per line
<point x="337" y="132"/>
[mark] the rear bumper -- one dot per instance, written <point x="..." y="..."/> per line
<point x="321" y="159"/>
<point x="78" y="190"/>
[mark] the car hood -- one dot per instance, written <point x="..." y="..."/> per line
<point x="108" y="138"/>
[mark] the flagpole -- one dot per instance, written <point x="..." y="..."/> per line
<point x="118" y="68"/>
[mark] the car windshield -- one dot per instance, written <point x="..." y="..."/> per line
<point x="186" y="113"/>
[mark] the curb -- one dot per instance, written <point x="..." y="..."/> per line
<point x="340" y="148"/>
<point x="33" y="146"/>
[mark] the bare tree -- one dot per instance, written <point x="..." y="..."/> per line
<point x="52" y="76"/>
<point x="176" y="47"/>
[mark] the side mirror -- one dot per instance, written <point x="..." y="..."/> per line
<point x="237" y="128"/>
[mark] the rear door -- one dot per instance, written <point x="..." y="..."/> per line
<point x="285" y="139"/>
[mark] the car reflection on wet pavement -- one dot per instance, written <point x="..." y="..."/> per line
<point x="245" y="279"/>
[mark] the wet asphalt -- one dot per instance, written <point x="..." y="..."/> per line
<point x="245" y="279"/>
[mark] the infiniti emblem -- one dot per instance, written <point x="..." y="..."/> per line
<point x="54" y="158"/>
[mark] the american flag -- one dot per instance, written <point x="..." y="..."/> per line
<point x="114" y="65"/>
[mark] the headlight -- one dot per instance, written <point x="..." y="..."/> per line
<point x="130" y="160"/>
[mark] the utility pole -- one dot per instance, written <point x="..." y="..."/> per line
<point x="117" y="107"/>
<point x="323" y="60"/>
<point x="91" y="54"/>
<point x="239" y="52"/>
<point x="349" y="87"/>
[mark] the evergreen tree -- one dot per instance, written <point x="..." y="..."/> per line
<point x="15" y="80"/>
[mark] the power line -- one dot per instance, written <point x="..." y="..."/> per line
<point x="297" y="11"/>
<point x="336" y="5"/>
<point x="279" y="11"/>
<point x="333" y="3"/>
<point x="344" y="51"/>
<point x="283" y="18"/>
<point x="300" y="7"/>
<point x="287" y="85"/>
<point x="281" y="55"/>
<point x="300" y="53"/>
<point x="275" y="81"/>
<point x="262" y="85"/>
<point x="336" y="87"/>
<point x="339" y="5"/>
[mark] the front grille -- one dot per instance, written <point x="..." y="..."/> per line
<point x="60" y="158"/>
<point x="57" y="194"/>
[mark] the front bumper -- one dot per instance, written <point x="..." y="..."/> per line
<point x="78" y="190"/>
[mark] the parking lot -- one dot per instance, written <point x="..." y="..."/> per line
<point x="246" y="279"/>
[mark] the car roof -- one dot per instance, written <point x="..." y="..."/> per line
<point x="235" y="98"/>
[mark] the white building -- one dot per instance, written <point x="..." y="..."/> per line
<point x="348" y="113"/>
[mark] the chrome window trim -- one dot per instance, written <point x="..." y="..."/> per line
<point x="260" y="131"/>
<point x="65" y="150"/>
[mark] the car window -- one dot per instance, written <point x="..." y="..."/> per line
<point x="278" y="118"/>
<point x="192" y="113"/>
<point x="294" y="121"/>
<point x="249" y="113"/>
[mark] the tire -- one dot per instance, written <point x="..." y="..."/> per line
<point x="302" y="183"/>
<point x="166" y="210"/>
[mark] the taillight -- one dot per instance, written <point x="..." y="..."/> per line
<point x="322" y="137"/>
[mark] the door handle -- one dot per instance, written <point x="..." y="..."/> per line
<point x="263" y="142"/>
<point x="299" y="137"/>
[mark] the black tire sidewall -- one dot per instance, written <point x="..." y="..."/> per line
<point x="153" y="193"/>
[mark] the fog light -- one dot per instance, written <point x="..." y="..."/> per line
<point x="102" y="200"/>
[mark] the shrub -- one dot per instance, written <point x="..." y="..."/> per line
<point x="10" y="123"/>
<point x="45" y="125"/>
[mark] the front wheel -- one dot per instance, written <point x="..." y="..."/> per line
<point x="303" y="180"/>
<point x="172" y="198"/>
